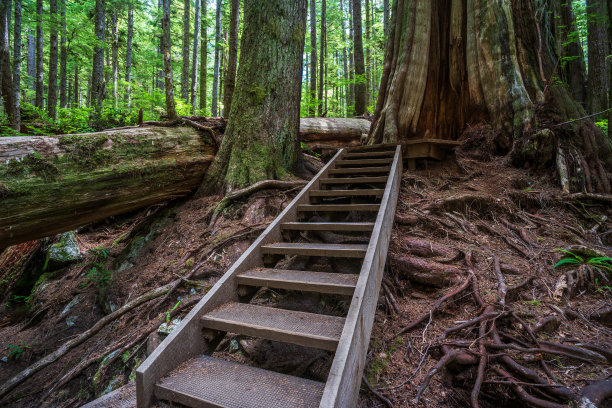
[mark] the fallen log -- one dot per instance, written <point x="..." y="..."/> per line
<point x="332" y="132"/>
<point x="51" y="184"/>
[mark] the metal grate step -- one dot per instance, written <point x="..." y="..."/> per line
<point x="305" y="329"/>
<point x="206" y="381"/>
<point x="316" y="249"/>
<point x="320" y="282"/>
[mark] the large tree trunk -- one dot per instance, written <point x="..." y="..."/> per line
<point x="186" y="40"/>
<point x="6" y="77"/>
<point x="63" y="58"/>
<point x="16" y="123"/>
<point x="166" y="46"/>
<point x="204" y="62"/>
<point x="52" y="184"/>
<point x="255" y="147"/>
<point x="194" y="58"/>
<point x="232" y="59"/>
<point x="97" y="75"/>
<point x="442" y="72"/>
<point x="38" y="102"/>
<point x="53" y="59"/>
<point x="360" y="84"/>
<point x="215" y="90"/>
<point x="31" y="61"/>
<point x="332" y="132"/>
<point x="597" y="97"/>
<point x="313" y="58"/>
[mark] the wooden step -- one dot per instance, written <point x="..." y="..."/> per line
<point x="360" y="170"/>
<point x="309" y="281"/>
<point x="305" y="329"/>
<point x="366" y="155"/>
<point x="316" y="249"/>
<point x="328" y="226"/>
<point x="206" y="381"/>
<point x="368" y="148"/>
<point x="357" y="162"/>
<point x="370" y="192"/>
<point x="355" y="180"/>
<point x="337" y="207"/>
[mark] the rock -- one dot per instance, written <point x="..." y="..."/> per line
<point x="4" y="359"/>
<point x="69" y="306"/>
<point x="63" y="252"/>
<point x="71" y="321"/>
<point x="167" y="328"/>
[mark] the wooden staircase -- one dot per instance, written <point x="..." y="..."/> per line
<point x="360" y="184"/>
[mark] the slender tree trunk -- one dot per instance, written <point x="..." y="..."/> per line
<point x="215" y="90"/>
<point x="351" y="58"/>
<point x="166" y="47"/>
<point x="128" y="55"/>
<point x="115" y="52"/>
<point x="597" y="98"/>
<point x="230" y="76"/>
<point x="322" y="39"/>
<point x="77" y="89"/>
<point x="53" y="59"/>
<point x="160" y="74"/>
<point x="386" y="18"/>
<point x="97" y="74"/>
<point x="348" y="101"/>
<point x="222" y="70"/>
<point x="313" y="58"/>
<point x="609" y="8"/>
<point x="194" y="57"/>
<point x="39" y="54"/>
<point x="16" y="123"/>
<point x="360" y="82"/>
<point x="254" y="147"/>
<point x="6" y="77"/>
<point x="186" y="41"/>
<point x="31" y="61"/>
<point x="63" y="57"/>
<point x="204" y="61"/>
<point x="368" y="57"/>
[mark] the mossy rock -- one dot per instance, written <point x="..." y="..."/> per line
<point x="63" y="252"/>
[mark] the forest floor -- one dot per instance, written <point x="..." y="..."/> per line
<point x="456" y="221"/>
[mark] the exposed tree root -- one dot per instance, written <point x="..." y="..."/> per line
<point x="426" y="272"/>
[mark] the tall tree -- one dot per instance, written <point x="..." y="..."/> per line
<point x="16" y="123"/>
<point x="360" y="84"/>
<point x="166" y="47"/>
<point x="313" y="58"/>
<point x="6" y="77"/>
<point x="386" y="17"/>
<point x="53" y="59"/>
<point x="215" y="90"/>
<point x="351" y="58"/>
<point x="186" y="40"/>
<point x="322" y="40"/>
<point x="347" y="93"/>
<point x="609" y="8"/>
<point x="31" y="60"/>
<point x="115" y="53"/>
<point x="97" y="74"/>
<point x="63" y="56"/>
<point x="204" y="59"/>
<point x="254" y="147"/>
<point x="232" y="59"/>
<point x="128" y="54"/>
<point x="368" y="49"/>
<point x="597" y="98"/>
<point x="194" y="57"/>
<point x="39" y="54"/>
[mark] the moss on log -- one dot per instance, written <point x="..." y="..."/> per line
<point x="52" y="184"/>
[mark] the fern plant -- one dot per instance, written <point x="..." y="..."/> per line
<point x="601" y="263"/>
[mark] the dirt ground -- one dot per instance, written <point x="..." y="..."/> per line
<point x="447" y="212"/>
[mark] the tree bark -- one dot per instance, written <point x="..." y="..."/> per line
<point x="230" y="76"/>
<point x="166" y="46"/>
<point x="38" y="102"/>
<point x="313" y="58"/>
<point x="597" y="84"/>
<point x="16" y="123"/>
<point x="360" y="84"/>
<point x="386" y="18"/>
<point x="204" y="62"/>
<point x="368" y="56"/>
<point x="77" y="88"/>
<point x="215" y="90"/>
<point x="97" y="75"/>
<point x="115" y="54"/>
<point x="347" y="93"/>
<point x="63" y="58"/>
<point x="194" y="57"/>
<point x="31" y="61"/>
<point x="332" y="132"/>
<point x="53" y="184"/>
<point x="254" y="147"/>
<point x="322" y="40"/>
<point x="6" y="77"/>
<point x="186" y="41"/>
<point x="351" y="57"/>
<point x="53" y="59"/>
<point x="128" y="55"/>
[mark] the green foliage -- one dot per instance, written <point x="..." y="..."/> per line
<point x="16" y="351"/>
<point x="98" y="275"/>
<point x="603" y="125"/>
<point x="600" y="263"/>
<point x="169" y="311"/>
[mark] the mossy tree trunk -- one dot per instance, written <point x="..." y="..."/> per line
<point x="450" y="63"/>
<point x="261" y="139"/>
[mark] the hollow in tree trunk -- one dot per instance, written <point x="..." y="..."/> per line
<point x="261" y="139"/>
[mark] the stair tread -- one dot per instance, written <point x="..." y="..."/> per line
<point x="348" y="193"/>
<point x="316" y="249"/>
<point x="328" y="226"/>
<point x="360" y="170"/>
<point x="338" y="207"/>
<point x="367" y="148"/>
<point x="354" y="180"/>
<point x="321" y="282"/>
<point x="353" y="162"/>
<point x="384" y="153"/>
<point x="306" y="329"/>
<point x="219" y="383"/>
